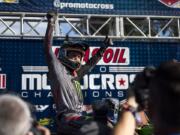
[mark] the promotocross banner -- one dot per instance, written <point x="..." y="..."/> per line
<point x="23" y="70"/>
<point x="100" y="7"/>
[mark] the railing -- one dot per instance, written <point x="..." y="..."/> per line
<point x="27" y="25"/>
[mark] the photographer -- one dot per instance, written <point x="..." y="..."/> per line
<point x="158" y="91"/>
<point x="15" y="117"/>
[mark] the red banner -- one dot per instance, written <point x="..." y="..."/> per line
<point x="171" y="3"/>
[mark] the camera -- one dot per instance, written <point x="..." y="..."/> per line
<point x="106" y="110"/>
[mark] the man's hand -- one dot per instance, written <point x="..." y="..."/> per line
<point x="42" y="131"/>
<point x="51" y="16"/>
<point x="108" y="42"/>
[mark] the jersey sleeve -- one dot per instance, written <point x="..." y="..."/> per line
<point x="90" y="64"/>
<point x="51" y="59"/>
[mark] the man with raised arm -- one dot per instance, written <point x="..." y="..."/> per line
<point x="65" y="72"/>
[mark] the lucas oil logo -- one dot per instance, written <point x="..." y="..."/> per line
<point x="112" y="55"/>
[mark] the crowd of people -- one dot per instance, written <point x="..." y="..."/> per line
<point x="157" y="91"/>
<point x="153" y="97"/>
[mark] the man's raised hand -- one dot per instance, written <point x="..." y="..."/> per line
<point x="108" y="41"/>
<point x="51" y="16"/>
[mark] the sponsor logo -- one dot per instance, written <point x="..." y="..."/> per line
<point x="112" y="55"/>
<point x="34" y="78"/>
<point x="2" y="81"/>
<point x="61" y="5"/>
<point x="38" y="81"/>
<point x="9" y="1"/>
<point x="171" y="3"/>
<point x="46" y="121"/>
<point x="100" y="85"/>
<point x="41" y="108"/>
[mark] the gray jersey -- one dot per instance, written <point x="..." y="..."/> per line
<point x="66" y="89"/>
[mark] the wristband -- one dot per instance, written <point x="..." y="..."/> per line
<point x="134" y="112"/>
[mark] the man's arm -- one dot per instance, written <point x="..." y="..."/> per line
<point x="127" y="123"/>
<point x="50" y="56"/>
<point x="41" y="129"/>
<point x="90" y="64"/>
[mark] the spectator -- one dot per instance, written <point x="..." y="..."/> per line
<point x="164" y="101"/>
<point x="160" y="91"/>
<point x="15" y="117"/>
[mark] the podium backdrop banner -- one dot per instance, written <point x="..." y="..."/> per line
<point x="23" y="70"/>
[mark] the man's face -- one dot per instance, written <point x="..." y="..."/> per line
<point x="74" y="56"/>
